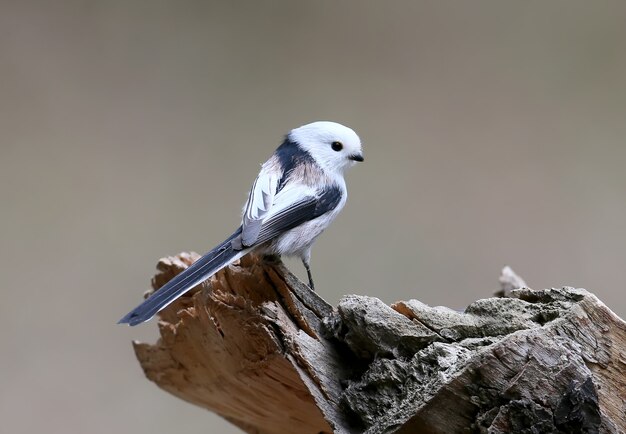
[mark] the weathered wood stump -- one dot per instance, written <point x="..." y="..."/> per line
<point x="256" y="346"/>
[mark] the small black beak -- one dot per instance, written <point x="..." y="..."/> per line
<point x="356" y="157"/>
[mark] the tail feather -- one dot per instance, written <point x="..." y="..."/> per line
<point x="199" y="271"/>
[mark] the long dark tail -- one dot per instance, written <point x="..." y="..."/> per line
<point x="199" y="271"/>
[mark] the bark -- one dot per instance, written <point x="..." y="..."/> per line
<point x="256" y="346"/>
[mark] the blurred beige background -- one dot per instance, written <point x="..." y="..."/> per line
<point x="494" y="133"/>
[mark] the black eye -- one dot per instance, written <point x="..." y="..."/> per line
<point x="337" y="146"/>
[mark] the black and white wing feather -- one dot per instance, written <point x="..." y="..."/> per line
<point x="307" y="206"/>
<point x="260" y="201"/>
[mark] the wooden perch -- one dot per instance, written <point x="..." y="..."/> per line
<point x="256" y="346"/>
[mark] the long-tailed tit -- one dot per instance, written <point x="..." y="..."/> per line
<point x="297" y="194"/>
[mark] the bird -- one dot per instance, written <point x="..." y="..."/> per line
<point x="298" y="192"/>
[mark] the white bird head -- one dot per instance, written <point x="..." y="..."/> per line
<point x="334" y="147"/>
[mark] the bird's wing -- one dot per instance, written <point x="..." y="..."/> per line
<point x="258" y="206"/>
<point x="297" y="205"/>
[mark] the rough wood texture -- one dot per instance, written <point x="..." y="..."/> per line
<point x="256" y="346"/>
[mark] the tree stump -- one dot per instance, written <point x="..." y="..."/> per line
<point x="256" y="346"/>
